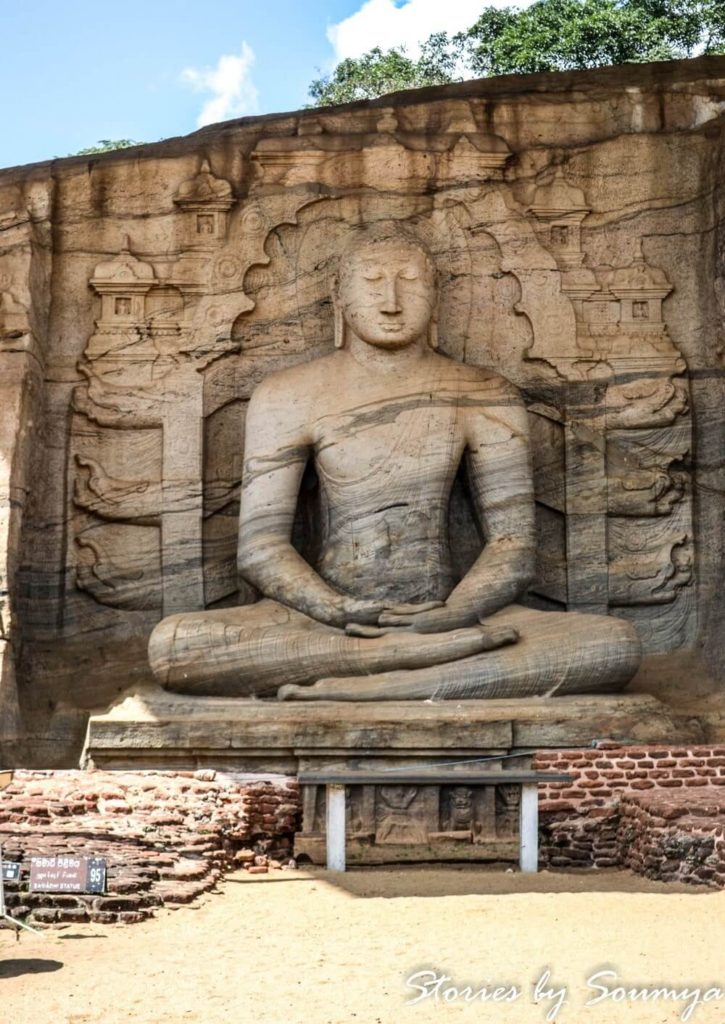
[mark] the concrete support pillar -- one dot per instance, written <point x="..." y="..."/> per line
<point x="335" y="827"/>
<point x="529" y="828"/>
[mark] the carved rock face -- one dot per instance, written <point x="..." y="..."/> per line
<point x="123" y="508"/>
<point x="387" y="293"/>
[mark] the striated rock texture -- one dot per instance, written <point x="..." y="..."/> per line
<point x="575" y="224"/>
<point x="380" y="613"/>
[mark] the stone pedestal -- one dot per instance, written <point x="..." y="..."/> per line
<point x="151" y="728"/>
<point x="155" y="729"/>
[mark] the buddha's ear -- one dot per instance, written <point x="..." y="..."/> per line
<point x="339" y="319"/>
<point x="433" y="328"/>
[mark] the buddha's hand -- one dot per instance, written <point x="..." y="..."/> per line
<point x="441" y="619"/>
<point x="352" y="613"/>
<point x="369" y="625"/>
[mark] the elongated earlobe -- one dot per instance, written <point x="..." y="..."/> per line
<point x="338" y="318"/>
<point x="339" y="325"/>
<point x="433" y="332"/>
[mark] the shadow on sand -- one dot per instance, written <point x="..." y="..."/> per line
<point x="14" y="968"/>
<point x="416" y="880"/>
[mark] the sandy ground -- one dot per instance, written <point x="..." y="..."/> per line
<point x="311" y="948"/>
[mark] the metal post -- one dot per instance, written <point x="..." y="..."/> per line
<point x="529" y="828"/>
<point x="2" y="886"/>
<point x="335" y="827"/>
<point x="4" y="916"/>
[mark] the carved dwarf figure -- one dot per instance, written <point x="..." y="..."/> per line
<point x="387" y="420"/>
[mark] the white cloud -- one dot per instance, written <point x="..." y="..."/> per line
<point x="233" y="92"/>
<point x="386" y="24"/>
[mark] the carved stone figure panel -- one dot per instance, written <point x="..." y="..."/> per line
<point x="118" y="497"/>
<point x="407" y="823"/>
<point x="651" y="565"/>
<point x="120" y="565"/>
<point x="647" y="474"/>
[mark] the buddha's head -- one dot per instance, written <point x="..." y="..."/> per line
<point x="385" y="289"/>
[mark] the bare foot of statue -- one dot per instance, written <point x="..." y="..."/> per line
<point x="387" y="421"/>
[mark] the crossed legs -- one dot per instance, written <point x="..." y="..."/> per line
<point x="252" y="650"/>
<point x="266" y="649"/>
<point x="558" y="653"/>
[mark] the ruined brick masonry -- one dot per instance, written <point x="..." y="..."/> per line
<point x="170" y="836"/>
<point x="167" y="836"/>
<point x="657" y="810"/>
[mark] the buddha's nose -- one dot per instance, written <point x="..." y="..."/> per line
<point x="390" y="302"/>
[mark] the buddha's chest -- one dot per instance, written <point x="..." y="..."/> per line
<point x="403" y="439"/>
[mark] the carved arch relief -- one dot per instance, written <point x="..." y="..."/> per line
<point x="289" y="298"/>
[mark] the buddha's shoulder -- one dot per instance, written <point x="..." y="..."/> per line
<point x="299" y="381"/>
<point x="480" y="379"/>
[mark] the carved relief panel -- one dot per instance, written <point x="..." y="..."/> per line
<point x="404" y="822"/>
<point x="629" y="516"/>
<point x="117" y="518"/>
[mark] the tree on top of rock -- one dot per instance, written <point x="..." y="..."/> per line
<point x="549" y="35"/>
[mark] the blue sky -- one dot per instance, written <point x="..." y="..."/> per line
<point x="75" y="71"/>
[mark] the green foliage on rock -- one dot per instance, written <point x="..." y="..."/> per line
<point x="378" y="72"/>
<point x="558" y="35"/>
<point x="549" y="35"/>
<point x="106" y="146"/>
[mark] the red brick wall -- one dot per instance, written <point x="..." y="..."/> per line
<point x="167" y="836"/>
<point x="602" y="775"/>
<point x="657" y="810"/>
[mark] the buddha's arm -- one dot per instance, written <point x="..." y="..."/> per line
<point x="499" y="468"/>
<point x="501" y="480"/>
<point x="275" y="454"/>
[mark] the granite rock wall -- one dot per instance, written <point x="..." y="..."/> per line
<point x="576" y="221"/>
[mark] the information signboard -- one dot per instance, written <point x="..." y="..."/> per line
<point x="67" y="874"/>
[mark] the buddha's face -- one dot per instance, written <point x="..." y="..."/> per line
<point x="386" y="292"/>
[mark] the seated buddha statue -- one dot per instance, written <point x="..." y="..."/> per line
<point x="379" y="613"/>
